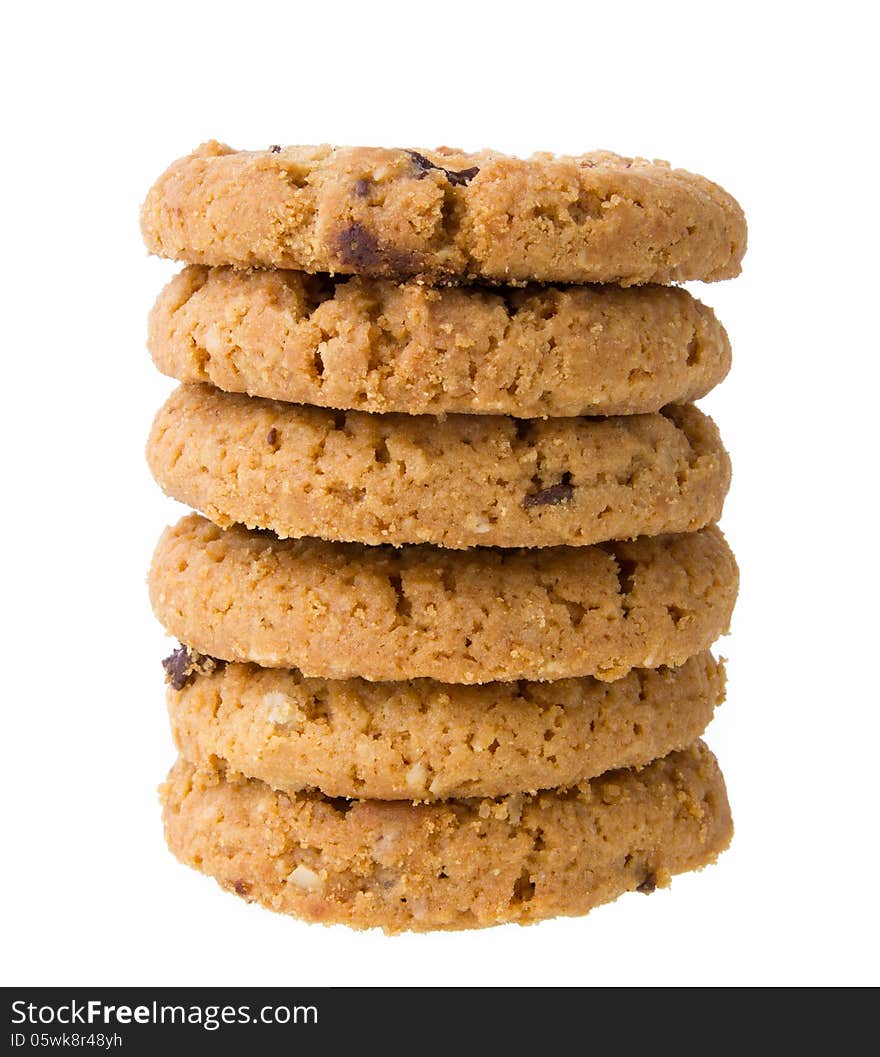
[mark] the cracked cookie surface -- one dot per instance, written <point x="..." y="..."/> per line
<point x="444" y="215"/>
<point x="453" y="864"/>
<point x="374" y="345"/>
<point x="336" y="610"/>
<point x="461" y="482"/>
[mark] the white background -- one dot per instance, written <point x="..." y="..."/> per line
<point x="778" y="103"/>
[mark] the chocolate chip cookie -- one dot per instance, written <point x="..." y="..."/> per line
<point x="453" y="864"/>
<point x="445" y="216"/>
<point x="464" y="481"/>
<point x="424" y="740"/>
<point x="338" y="611"/>
<point x="374" y="345"/>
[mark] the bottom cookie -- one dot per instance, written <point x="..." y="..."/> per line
<point x="454" y="864"/>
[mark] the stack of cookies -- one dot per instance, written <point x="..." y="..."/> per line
<point x="445" y="612"/>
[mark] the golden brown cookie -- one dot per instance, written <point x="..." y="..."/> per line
<point x="424" y="740"/>
<point x="444" y="215"/>
<point x="465" y="481"/>
<point x="375" y="345"/>
<point x="453" y="864"/>
<point x="337" y="610"/>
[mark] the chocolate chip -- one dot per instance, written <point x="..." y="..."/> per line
<point x="242" y="888"/>
<point x="275" y="149"/>
<point x="421" y="162"/>
<point x="425" y="165"/>
<point x="177" y="668"/>
<point x="648" y="885"/>
<point x="184" y="664"/>
<point x="463" y="176"/>
<point x="357" y="247"/>
<point x="272" y="437"/>
<point x="362" y="188"/>
<point x="358" y="251"/>
<point x="551" y="496"/>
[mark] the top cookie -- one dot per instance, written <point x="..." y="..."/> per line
<point x="445" y="216"/>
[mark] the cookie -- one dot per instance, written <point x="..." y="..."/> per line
<point x="336" y="610"/>
<point x="465" y="481"/>
<point x="424" y="740"/>
<point x="454" y="864"/>
<point x="373" y="345"/>
<point x="445" y="215"/>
